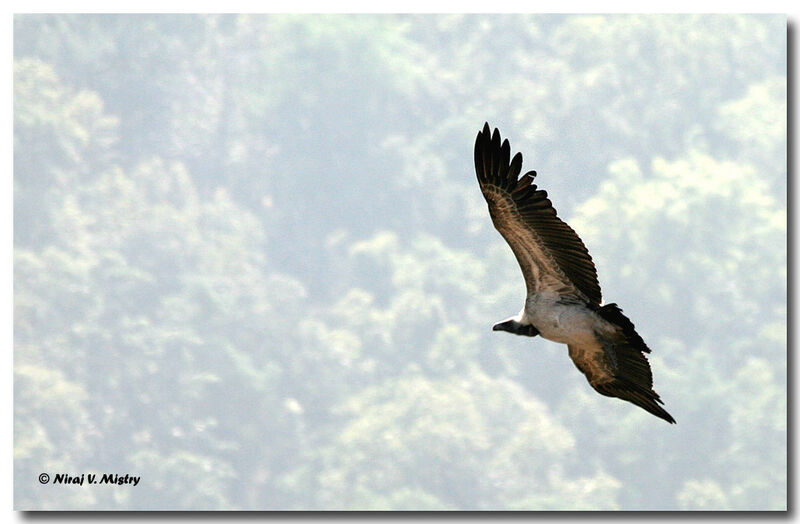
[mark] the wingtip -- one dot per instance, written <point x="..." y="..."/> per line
<point x="484" y="134"/>
<point x="492" y="162"/>
<point x="658" y="411"/>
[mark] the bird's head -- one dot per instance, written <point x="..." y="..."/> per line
<point x="512" y="325"/>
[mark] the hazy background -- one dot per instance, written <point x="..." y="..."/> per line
<point x="252" y="264"/>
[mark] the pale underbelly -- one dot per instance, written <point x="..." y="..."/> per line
<point x="567" y="324"/>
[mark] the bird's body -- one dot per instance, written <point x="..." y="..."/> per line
<point x="563" y="301"/>
<point x="567" y="323"/>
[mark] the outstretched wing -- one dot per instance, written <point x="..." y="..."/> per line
<point x="616" y="366"/>
<point x="550" y="253"/>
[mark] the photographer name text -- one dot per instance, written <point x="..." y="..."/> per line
<point x="93" y="478"/>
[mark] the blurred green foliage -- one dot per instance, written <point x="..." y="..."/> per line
<point x="252" y="265"/>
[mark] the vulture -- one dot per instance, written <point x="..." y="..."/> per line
<point x="563" y="301"/>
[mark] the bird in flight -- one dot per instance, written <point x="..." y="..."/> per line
<point x="563" y="301"/>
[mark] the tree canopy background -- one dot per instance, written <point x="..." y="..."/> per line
<point x="252" y="264"/>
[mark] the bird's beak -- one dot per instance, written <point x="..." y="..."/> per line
<point x="503" y="326"/>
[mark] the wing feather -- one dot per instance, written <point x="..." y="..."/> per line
<point x="616" y="366"/>
<point x="545" y="246"/>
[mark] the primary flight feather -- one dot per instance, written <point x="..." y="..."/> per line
<point x="563" y="301"/>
